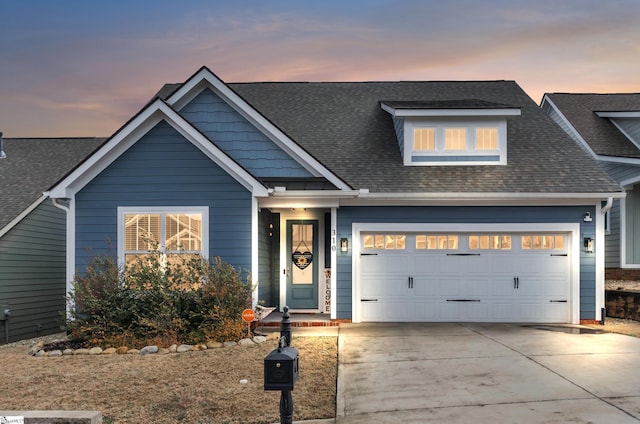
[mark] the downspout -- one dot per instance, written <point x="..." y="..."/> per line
<point x="607" y="206"/>
<point x="603" y="210"/>
<point x="69" y="252"/>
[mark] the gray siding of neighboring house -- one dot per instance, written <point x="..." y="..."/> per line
<point x="32" y="273"/>
<point x="621" y="173"/>
<point x="573" y="214"/>
<point x="238" y="138"/>
<point x="164" y="169"/>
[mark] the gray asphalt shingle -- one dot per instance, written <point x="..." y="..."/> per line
<point x="600" y="133"/>
<point x="33" y="165"/>
<point x="344" y="127"/>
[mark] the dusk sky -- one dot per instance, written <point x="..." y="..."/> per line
<point x="83" y="68"/>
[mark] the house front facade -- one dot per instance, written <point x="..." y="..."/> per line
<point x="369" y="202"/>
<point x="607" y="127"/>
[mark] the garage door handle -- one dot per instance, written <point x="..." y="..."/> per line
<point x="463" y="300"/>
<point x="368" y="300"/>
<point x="516" y="282"/>
<point x="558" y="301"/>
<point x="463" y="254"/>
<point x="368" y="254"/>
<point x="559" y="254"/>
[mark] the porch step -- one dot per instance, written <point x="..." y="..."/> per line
<point x="274" y="319"/>
<point x="301" y="324"/>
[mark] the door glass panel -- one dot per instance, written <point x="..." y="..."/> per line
<point x="302" y="254"/>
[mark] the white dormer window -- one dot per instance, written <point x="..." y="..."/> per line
<point x="432" y="133"/>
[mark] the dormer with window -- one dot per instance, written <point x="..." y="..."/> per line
<point x="457" y="132"/>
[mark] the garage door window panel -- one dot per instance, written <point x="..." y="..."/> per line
<point x="437" y="242"/>
<point x="490" y="242"/>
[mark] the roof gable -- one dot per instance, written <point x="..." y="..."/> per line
<point x="239" y="139"/>
<point x="128" y="135"/>
<point x="205" y="79"/>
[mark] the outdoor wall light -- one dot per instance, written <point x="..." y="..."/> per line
<point x="587" y="217"/>
<point x="344" y="245"/>
<point x="588" y="245"/>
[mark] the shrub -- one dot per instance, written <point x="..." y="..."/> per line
<point x="188" y="300"/>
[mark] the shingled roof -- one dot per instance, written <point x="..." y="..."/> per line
<point x="599" y="133"/>
<point x="344" y="127"/>
<point x="33" y="165"/>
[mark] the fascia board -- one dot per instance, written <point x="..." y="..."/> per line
<point x="4" y="230"/>
<point x="470" y="199"/>
<point x="132" y="132"/>
<point x="619" y="159"/>
<point x="205" y="78"/>
<point x="406" y="113"/>
<point x="619" y="114"/>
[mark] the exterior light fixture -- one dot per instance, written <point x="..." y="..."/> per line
<point x="587" y="217"/>
<point x="588" y="245"/>
<point x="344" y="245"/>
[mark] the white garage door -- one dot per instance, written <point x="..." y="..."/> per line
<point x="477" y="277"/>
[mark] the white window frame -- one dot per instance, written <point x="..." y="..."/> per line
<point x="455" y="157"/>
<point x="163" y="210"/>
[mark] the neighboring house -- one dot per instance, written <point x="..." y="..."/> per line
<point x="607" y="126"/>
<point x="33" y="233"/>
<point x="375" y="201"/>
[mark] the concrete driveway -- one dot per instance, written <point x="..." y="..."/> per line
<point x="493" y="373"/>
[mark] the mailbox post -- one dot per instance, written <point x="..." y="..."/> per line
<point x="281" y="369"/>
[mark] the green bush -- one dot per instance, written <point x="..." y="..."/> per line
<point x="185" y="300"/>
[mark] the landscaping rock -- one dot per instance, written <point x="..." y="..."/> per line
<point x="109" y="351"/>
<point x="214" y="345"/>
<point x="36" y="348"/>
<point x="122" y="350"/>
<point x="183" y="348"/>
<point x="41" y="353"/>
<point x="133" y="352"/>
<point x="95" y="351"/>
<point x="229" y="344"/>
<point x="173" y="348"/>
<point x="246" y="342"/>
<point x="259" y="339"/>
<point x="55" y="353"/>
<point x="147" y="350"/>
<point x="198" y="347"/>
<point x="81" y="352"/>
<point x="163" y="351"/>
<point x="67" y="352"/>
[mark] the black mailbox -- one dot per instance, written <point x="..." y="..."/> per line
<point x="281" y="369"/>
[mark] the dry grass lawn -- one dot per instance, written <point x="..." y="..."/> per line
<point x="193" y="387"/>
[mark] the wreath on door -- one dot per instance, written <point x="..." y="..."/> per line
<point x="302" y="258"/>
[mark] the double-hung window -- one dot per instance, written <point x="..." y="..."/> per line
<point x="172" y="232"/>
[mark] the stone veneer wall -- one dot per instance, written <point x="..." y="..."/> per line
<point x="623" y="304"/>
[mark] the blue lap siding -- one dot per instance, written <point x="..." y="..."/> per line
<point x="240" y="139"/>
<point x="164" y="169"/>
<point x="457" y="215"/>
